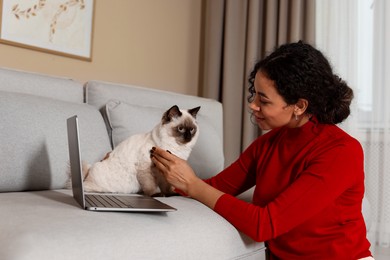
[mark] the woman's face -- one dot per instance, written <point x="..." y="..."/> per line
<point x="268" y="107"/>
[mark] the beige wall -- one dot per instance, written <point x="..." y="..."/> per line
<point x="151" y="43"/>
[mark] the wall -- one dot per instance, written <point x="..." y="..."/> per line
<point x="149" y="43"/>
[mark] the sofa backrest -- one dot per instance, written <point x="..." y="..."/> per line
<point x="130" y="109"/>
<point x="33" y="137"/>
<point x="41" y="85"/>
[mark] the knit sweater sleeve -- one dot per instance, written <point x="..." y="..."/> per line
<point x="239" y="176"/>
<point x="321" y="182"/>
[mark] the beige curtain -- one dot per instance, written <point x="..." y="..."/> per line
<point x="235" y="34"/>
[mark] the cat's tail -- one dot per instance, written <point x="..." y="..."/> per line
<point x="68" y="183"/>
<point x="85" y="168"/>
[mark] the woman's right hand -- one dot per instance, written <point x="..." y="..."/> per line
<point x="181" y="176"/>
<point x="176" y="170"/>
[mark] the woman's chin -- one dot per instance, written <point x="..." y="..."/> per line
<point x="262" y="124"/>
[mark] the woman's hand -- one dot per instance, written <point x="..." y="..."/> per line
<point x="176" y="170"/>
<point x="181" y="176"/>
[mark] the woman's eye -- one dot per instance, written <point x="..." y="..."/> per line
<point x="263" y="102"/>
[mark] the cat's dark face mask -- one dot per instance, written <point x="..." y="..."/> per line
<point x="185" y="132"/>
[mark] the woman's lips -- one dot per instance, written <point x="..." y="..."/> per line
<point x="258" y="118"/>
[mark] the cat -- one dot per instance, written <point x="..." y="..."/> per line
<point x="129" y="169"/>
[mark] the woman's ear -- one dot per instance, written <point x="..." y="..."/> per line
<point x="300" y="107"/>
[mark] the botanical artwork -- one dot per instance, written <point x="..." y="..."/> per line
<point x="57" y="26"/>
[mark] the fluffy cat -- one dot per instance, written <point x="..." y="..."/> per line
<point x="129" y="169"/>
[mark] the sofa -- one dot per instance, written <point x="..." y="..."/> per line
<point x="39" y="218"/>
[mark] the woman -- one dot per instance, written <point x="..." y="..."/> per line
<point x="308" y="173"/>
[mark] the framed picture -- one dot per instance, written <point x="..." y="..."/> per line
<point x="62" y="27"/>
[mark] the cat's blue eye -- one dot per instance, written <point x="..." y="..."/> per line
<point x="181" y="129"/>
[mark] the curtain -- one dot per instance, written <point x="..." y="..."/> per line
<point x="235" y="34"/>
<point x="378" y="152"/>
<point x="357" y="45"/>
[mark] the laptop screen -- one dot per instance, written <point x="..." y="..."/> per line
<point x="75" y="160"/>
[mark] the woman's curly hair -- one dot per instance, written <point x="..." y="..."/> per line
<point x="301" y="71"/>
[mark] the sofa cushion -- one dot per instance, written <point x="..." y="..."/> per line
<point x="98" y="93"/>
<point x="207" y="158"/>
<point x="41" y="85"/>
<point x="57" y="228"/>
<point x="34" y="153"/>
<point x="126" y="120"/>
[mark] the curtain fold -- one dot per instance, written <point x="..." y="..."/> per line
<point x="380" y="122"/>
<point x="235" y="34"/>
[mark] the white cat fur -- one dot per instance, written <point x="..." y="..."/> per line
<point x="129" y="169"/>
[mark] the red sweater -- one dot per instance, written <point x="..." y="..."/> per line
<point x="308" y="195"/>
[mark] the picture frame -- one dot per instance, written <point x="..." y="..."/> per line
<point x="60" y="27"/>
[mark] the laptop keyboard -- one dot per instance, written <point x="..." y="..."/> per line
<point x="107" y="201"/>
<point x="124" y="201"/>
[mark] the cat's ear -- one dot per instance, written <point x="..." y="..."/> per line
<point x="194" y="111"/>
<point x="171" y="113"/>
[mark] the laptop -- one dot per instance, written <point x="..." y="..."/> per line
<point x="103" y="201"/>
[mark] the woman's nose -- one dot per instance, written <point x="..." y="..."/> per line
<point x="254" y="107"/>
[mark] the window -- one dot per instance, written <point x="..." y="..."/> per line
<point x="364" y="55"/>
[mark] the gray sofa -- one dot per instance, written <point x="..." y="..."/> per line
<point x="39" y="219"/>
